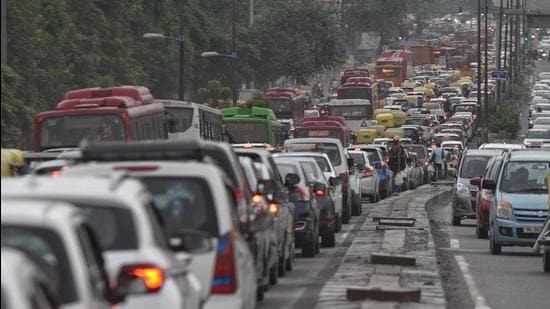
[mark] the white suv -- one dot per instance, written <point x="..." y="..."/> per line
<point x="55" y="237"/>
<point x="192" y="196"/>
<point x="120" y="212"/>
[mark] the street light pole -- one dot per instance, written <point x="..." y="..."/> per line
<point x="181" y="84"/>
<point x="234" y="39"/>
<point x="479" y="58"/>
<point x="485" y="86"/>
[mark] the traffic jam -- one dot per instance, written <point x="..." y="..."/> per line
<point x="136" y="201"/>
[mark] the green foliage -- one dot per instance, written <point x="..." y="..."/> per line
<point x="258" y="100"/>
<point x="16" y="116"/>
<point x="214" y="94"/>
<point x="504" y="119"/>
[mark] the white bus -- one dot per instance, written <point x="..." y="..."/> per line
<point x="357" y="112"/>
<point x="192" y="120"/>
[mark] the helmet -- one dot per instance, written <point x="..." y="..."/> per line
<point x="12" y="159"/>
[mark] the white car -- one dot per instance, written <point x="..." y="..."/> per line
<point x="56" y="238"/>
<point x="536" y="137"/>
<point x="24" y="285"/>
<point x="541" y="87"/>
<point x="542" y="123"/>
<point x="370" y="183"/>
<point x="193" y="196"/>
<point x="329" y="174"/>
<point x="118" y="210"/>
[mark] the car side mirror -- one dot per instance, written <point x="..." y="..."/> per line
<point x="266" y="186"/>
<point x="488" y="184"/>
<point x="334" y="181"/>
<point x="476" y="181"/>
<point x="192" y="241"/>
<point x="292" y="180"/>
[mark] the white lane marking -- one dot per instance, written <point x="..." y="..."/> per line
<point x="455" y="244"/>
<point x="478" y="299"/>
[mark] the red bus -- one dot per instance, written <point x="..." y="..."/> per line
<point x="325" y="127"/>
<point x="286" y="103"/>
<point x="362" y="90"/>
<point x="100" y="114"/>
<point x="353" y="73"/>
<point x="392" y="69"/>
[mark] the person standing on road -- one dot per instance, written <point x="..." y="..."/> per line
<point x="396" y="162"/>
<point x="438" y="159"/>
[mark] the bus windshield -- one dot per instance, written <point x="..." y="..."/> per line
<point x="356" y="112"/>
<point x="247" y="132"/>
<point x="69" y="131"/>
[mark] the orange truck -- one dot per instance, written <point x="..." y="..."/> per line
<point x="422" y="54"/>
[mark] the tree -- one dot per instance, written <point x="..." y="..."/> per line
<point x="16" y="116"/>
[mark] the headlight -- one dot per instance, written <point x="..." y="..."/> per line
<point x="462" y="191"/>
<point x="504" y="210"/>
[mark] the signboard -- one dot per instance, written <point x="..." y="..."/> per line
<point x="499" y="74"/>
<point x="364" y="123"/>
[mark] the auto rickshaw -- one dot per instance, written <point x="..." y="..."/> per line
<point x="12" y="162"/>
<point x="392" y="132"/>
<point x="380" y="111"/>
<point x="399" y="117"/>
<point x="379" y="129"/>
<point x="386" y="119"/>
<point x="366" y="136"/>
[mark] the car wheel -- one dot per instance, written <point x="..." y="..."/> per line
<point x="282" y="267"/>
<point x="346" y="214"/>
<point x="456" y="221"/>
<point x="273" y="276"/>
<point x="329" y="239"/>
<point x="480" y="231"/>
<point x="260" y="293"/>
<point x="308" y="249"/>
<point x="493" y="246"/>
<point x="546" y="260"/>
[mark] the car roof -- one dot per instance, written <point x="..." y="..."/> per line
<point x="483" y="152"/>
<point x="52" y="214"/>
<point x="301" y="154"/>
<point x="530" y="155"/>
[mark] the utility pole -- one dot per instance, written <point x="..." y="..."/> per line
<point x="499" y="50"/>
<point x="250" y="83"/>
<point x="511" y="67"/>
<point x="479" y="58"/>
<point x="505" y="62"/>
<point x="517" y="50"/>
<point x="181" y="84"/>
<point x="486" y="67"/>
<point x="234" y="43"/>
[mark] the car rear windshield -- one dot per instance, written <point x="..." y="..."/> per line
<point x="45" y="248"/>
<point x="114" y="226"/>
<point x="373" y="155"/>
<point x="330" y="149"/>
<point x="358" y="157"/>
<point x="525" y="177"/>
<point x="310" y="171"/>
<point x="538" y="134"/>
<point x="473" y="166"/>
<point x="184" y="203"/>
<point x="418" y="121"/>
<point x="419" y="150"/>
<point x="286" y="169"/>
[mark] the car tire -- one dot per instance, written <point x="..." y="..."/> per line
<point x="260" y="293"/>
<point x="546" y="260"/>
<point x="282" y="267"/>
<point x="346" y="214"/>
<point x="308" y="249"/>
<point x="481" y="233"/>
<point x="273" y="275"/>
<point x="356" y="205"/>
<point x="456" y="221"/>
<point x="337" y="223"/>
<point x="329" y="239"/>
<point x="494" y="248"/>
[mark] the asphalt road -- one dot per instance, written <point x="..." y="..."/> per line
<point x="473" y="278"/>
<point x="300" y="288"/>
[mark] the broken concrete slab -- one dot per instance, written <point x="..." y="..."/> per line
<point x="394" y="240"/>
<point x="396" y="222"/>
<point x="393" y="259"/>
<point x="383" y="294"/>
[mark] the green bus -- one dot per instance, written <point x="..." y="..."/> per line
<point x="252" y="125"/>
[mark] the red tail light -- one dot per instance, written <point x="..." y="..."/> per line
<point x="151" y="275"/>
<point x="320" y="193"/>
<point x="368" y="172"/>
<point x="225" y="275"/>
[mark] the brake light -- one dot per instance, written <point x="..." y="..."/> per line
<point x="368" y="172"/>
<point x="320" y="193"/>
<point x="274" y="209"/>
<point x="143" y="168"/>
<point x="151" y="275"/>
<point x="225" y="276"/>
<point x="257" y="199"/>
<point x="56" y="174"/>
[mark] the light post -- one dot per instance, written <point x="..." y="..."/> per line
<point x="233" y="56"/>
<point x="180" y="39"/>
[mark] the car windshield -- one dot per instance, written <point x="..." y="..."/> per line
<point x="70" y="130"/>
<point x="473" y="166"/>
<point x="247" y="132"/>
<point x="114" y="226"/>
<point x="538" y="134"/>
<point x="45" y="248"/>
<point x="183" y="203"/>
<point x="525" y="177"/>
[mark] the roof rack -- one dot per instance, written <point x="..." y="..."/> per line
<point x="142" y="150"/>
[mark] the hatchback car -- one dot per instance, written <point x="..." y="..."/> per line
<point x="370" y="183"/>
<point x="472" y="164"/>
<point x="521" y="192"/>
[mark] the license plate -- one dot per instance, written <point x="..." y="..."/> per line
<point x="533" y="229"/>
